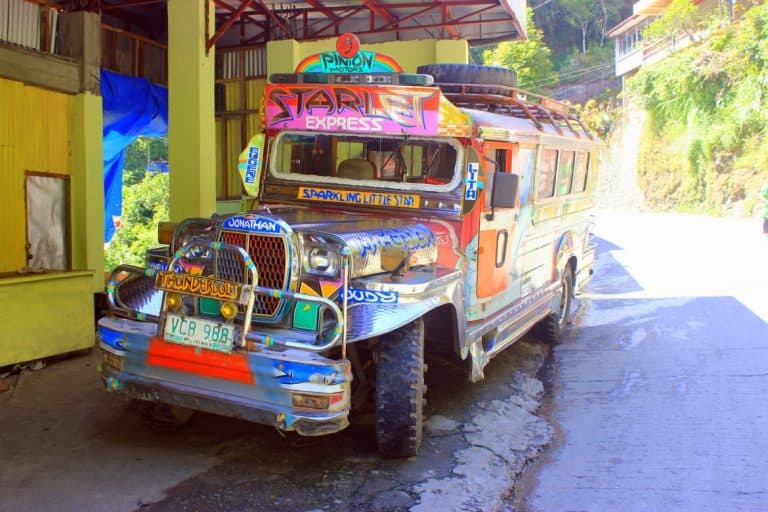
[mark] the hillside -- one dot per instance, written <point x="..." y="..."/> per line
<point x="703" y="147"/>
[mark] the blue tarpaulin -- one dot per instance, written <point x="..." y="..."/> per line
<point x="133" y="107"/>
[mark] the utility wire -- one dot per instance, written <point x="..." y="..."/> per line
<point x="555" y="79"/>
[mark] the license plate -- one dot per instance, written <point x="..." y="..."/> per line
<point x="199" y="333"/>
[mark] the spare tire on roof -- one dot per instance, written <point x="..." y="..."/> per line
<point x="476" y="75"/>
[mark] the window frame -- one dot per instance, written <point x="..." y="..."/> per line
<point x="539" y="174"/>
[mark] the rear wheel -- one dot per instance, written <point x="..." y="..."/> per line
<point x="400" y="390"/>
<point x="552" y="328"/>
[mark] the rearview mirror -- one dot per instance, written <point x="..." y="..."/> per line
<point x="504" y="193"/>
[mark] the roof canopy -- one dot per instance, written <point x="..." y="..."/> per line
<point x="247" y="22"/>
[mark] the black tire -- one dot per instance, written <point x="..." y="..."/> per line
<point x="400" y="390"/>
<point x="552" y="328"/>
<point x="161" y="417"/>
<point x="471" y="74"/>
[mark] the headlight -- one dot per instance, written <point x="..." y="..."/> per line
<point x="321" y="261"/>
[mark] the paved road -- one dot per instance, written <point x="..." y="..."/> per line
<point x="659" y="400"/>
<point x="66" y="445"/>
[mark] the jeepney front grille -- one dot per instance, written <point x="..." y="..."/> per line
<point x="269" y="254"/>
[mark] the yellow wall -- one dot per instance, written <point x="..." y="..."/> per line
<point x="44" y="315"/>
<point x="34" y="136"/>
<point x="284" y="55"/>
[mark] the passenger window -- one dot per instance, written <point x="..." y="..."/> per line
<point x="565" y="173"/>
<point x="581" y="172"/>
<point x="501" y="160"/>
<point x="546" y="178"/>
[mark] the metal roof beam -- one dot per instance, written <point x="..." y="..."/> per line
<point x="381" y="11"/>
<point x="445" y="16"/>
<point x="128" y="3"/>
<point x="323" y="9"/>
<point x="396" y="23"/>
<point x="231" y="9"/>
<point x="317" y="33"/>
<point x="222" y="29"/>
<point x="274" y="17"/>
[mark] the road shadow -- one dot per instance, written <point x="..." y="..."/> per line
<point x="659" y="395"/>
<point x="610" y="275"/>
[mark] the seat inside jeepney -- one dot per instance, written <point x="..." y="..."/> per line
<point x="356" y="169"/>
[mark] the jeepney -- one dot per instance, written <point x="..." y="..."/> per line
<point x="397" y="213"/>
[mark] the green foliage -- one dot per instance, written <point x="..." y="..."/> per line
<point x="139" y="154"/>
<point x="575" y="66"/>
<point x="711" y="101"/>
<point x="581" y="14"/>
<point x="598" y="116"/>
<point x="145" y="204"/>
<point x="530" y="59"/>
<point x="679" y="16"/>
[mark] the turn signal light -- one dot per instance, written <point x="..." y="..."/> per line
<point x="228" y="310"/>
<point x="173" y="301"/>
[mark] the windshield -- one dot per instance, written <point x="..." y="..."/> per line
<point x="391" y="162"/>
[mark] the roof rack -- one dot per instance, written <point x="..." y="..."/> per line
<point x="515" y="102"/>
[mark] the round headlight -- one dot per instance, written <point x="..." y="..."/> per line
<point x="319" y="259"/>
<point x="173" y="301"/>
<point x="229" y="310"/>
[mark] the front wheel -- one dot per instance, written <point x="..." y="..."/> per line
<point x="400" y="390"/>
<point x="552" y="328"/>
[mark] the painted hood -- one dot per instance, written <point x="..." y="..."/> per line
<point x="364" y="235"/>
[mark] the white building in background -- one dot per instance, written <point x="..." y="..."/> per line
<point x="632" y="51"/>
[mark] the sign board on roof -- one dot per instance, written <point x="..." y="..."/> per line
<point x="349" y="58"/>
<point x="334" y="108"/>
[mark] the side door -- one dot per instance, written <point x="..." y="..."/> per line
<point x="495" y="275"/>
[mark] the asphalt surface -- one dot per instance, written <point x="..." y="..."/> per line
<point x="67" y="445"/>
<point x="659" y="397"/>
<point x="655" y="402"/>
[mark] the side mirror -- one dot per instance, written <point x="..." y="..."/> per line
<point x="504" y="194"/>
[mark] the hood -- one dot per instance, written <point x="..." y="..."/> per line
<point x="363" y="235"/>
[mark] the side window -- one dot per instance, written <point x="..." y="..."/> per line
<point x="581" y="171"/>
<point x="565" y="173"/>
<point x="525" y="162"/>
<point x="546" y="180"/>
<point x="496" y="160"/>
<point x="501" y="160"/>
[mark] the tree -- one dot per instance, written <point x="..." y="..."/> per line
<point x="145" y="204"/>
<point x="679" y="16"/>
<point x="530" y="58"/>
<point x="580" y="14"/>
<point x="610" y="13"/>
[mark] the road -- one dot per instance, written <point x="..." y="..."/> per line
<point x="67" y="445"/>
<point x="658" y="399"/>
<point x="655" y="402"/>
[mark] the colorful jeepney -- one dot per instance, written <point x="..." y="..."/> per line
<point x="395" y="216"/>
